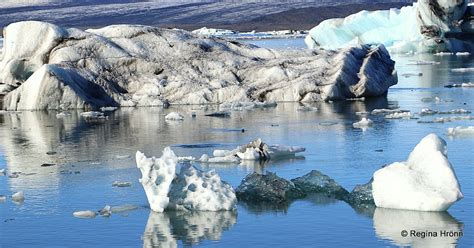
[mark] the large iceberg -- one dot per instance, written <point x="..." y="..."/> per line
<point x="425" y="182"/>
<point x="426" y="26"/>
<point x="45" y="66"/>
<point x="191" y="189"/>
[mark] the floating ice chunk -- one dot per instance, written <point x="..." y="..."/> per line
<point x="106" y="211"/>
<point x="122" y="156"/>
<point x="400" y="115"/>
<point x="444" y="54"/>
<point x="425" y="182"/>
<point x="239" y="106"/>
<point x="86" y="214"/>
<point x="461" y="85"/>
<point x="427" y="111"/>
<point x="108" y="109"/>
<point x="18" y="196"/>
<point x="174" y="116"/>
<point x="431" y="99"/>
<point x="307" y="108"/>
<point x="463" y="70"/>
<point x="317" y="182"/>
<point x="250" y="153"/>
<point x="121" y="184"/>
<point x="412" y="74"/>
<point x="463" y="54"/>
<point x="195" y="190"/>
<point x="93" y="115"/>
<point x="449" y="119"/>
<point x="63" y="115"/>
<point x="157" y="175"/>
<point x="424" y="62"/>
<point x="363" y="123"/>
<point x="3" y="198"/>
<point x="387" y="111"/>
<point x="2" y="172"/>
<point x="461" y="131"/>
<point x="186" y="159"/>
<point x="222" y="153"/>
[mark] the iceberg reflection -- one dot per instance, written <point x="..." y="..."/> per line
<point x="167" y="229"/>
<point x="423" y="229"/>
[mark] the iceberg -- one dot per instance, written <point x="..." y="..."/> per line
<point x="45" y="66"/>
<point x="85" y="214"/>
<point x="363" y="123"/>
<point x="191" y="189"/>
<point x="461" y="131"/>
<point x="428" y="26"/>
<point x="174" y="116"/>
<point x="425" y="182"/>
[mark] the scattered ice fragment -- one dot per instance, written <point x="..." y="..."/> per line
<point x="463" y="54"/>
<point x="463" y="70"/>
<point x="122" y="156"/>
<point x="419" y="74"/>
<point x="387" y="111"/>
<point x="93" y="115"/>
<point x="239" y="106"/>
<point x="63" y="115"/>
<point x="106" y="211"/>
<point x="3" y="198"/>
<point x="317" y="182"/>
<point x="123" y="208"/>
<point x="86" y="214"/>
<point x="444" y="54"/>
<point x="363" y="123"/>
<point x="307" y="108"/>
<point x="427" y="111"/>
<point x="108" y="109"/>
<point x="424" y="62"/>
<point x="461" y="131"/>
<point x="400" y="115"/>
<point x="174" y="116"/>
<point x="121" y="184"/>
<point x="431" y="99"/>
<point x="362" y="113"/>
<point x="18" y="196"/>
<point x="356" y="99"/>
<point x="157" y="176"/>
<point x="425" y="182"/>
<point x="2" y="172"/>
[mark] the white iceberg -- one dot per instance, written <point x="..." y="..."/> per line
<point x="399" y="115"/>
<point x="85" y="214"/>
<point x="191" y="189"/>
<point x="174" y="116"/>
<point x="195" y="190"/>
<point x="45" y="66"/>
<point x="18" y="196"/>
<point x="461" y="131"/>
<point x="425" y="182"/>
<point x="157" y="175"/>
<point x="426" y="26"/>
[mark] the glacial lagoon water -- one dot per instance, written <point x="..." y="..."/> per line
<point x="89" y="157"/>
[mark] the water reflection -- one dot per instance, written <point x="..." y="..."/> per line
<point x="389" y="224"/>
<point x="190" y="228"/>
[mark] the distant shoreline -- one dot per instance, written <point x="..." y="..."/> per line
<point x="294" y="19"/>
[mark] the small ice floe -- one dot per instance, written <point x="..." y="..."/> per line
<point x="444" y="54"/>
<point x="461" y="131"/>
<point x="364" y="123"/>
<point x="85" y="214"/>
<point x="449" y="119"/>
<point x="463" y="70"/>
<point x="174" y="116"/>
<point x="461" y="85"/>
<point x="106" y="211"/>
<point x="435" y="99"/>
<point x="3" y="198"/>
<point x="328" y="123"/>
<point x="190" y="190"/>
<point x="462" y="53"/>
<point x="356" y="99"/>
<point x="399" y="115"/>
<point x="363" y="113"/>
<point x="91" y="115"/>
<point x="18" y="196"/>
<point x="63" y="115"/>
<point x="123" y="208"/>
<point x="220" y="114"/>
<point x="387" y="111"/>
<point x="427" y="111"/>
<point x="255" y="150"/>
<point x="419" y="74"/>
<point x="306" y="108"/>
<point x="121" y="184"/>
<point x="108" y="109"/>
<point x="316" y="182"/>
<point x="240" y="106"/>
<point x="424" y="62"/>
<point x="3" y="172"/>
<point x="425" y="182"/>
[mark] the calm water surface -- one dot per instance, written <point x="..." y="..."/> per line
<point x="91" y="156"/>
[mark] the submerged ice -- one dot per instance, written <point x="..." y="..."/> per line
<point x="426" y="26"/>
<point x="45" y="66"/>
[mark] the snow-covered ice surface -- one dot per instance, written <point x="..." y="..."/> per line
<point x="130" y="65"/>
<point x="424" y="182"/>
<point x="327" y="134"/>
<point x="426" y="26"/>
